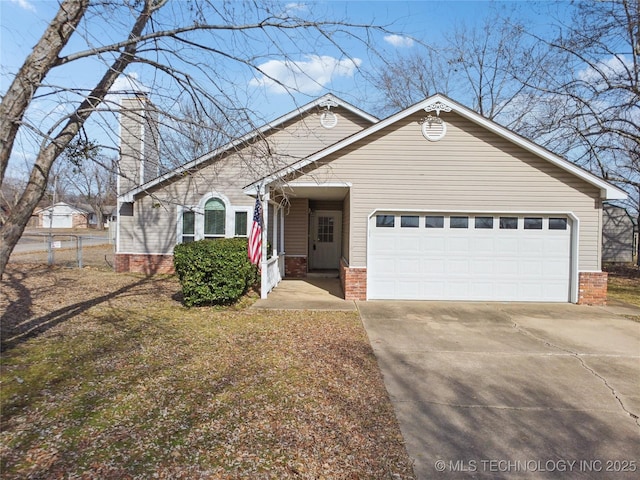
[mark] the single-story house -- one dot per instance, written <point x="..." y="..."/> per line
<point x="434" y="202"/>
<point x="619" y="235"/>
<point x="63" y="215"/>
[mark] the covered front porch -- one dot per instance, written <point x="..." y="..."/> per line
<point x="306" y="228"/>
<point x="311" y="293"/>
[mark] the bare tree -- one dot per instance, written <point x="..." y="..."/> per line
<point x="90" y="175"/>
<point x="590" y="92"/>
<point x="477" y="64"/>
<point x="185" y="48"/>
<point x="200" y="131"/>
<point x="574" y="90"/>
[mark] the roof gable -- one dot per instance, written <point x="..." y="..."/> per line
<point x="64" y="207"/>
<point x="298" y="113"/>
<point x="440" y="102"/>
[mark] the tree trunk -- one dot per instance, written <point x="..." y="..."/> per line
<point x="35" y="68"/>
<point x="12" y="230"/>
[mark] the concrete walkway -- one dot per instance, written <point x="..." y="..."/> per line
<point x="307" y="294"/>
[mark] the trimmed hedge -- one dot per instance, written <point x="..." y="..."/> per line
<point x="214" y="271"/>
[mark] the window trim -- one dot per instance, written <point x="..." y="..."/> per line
<point x="230" y="217"/>
<point x="248" y="211"/>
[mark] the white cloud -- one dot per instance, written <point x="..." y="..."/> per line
<point x="399" y="41"/>
<point x="25" y="4"/>
<point x="290" y="7"/>
<point x="127" y="84"/>
<point x="613" y="68"/>
<point x="306" y="76"/>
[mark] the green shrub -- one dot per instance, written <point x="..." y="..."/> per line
<point x="214" y="271"/>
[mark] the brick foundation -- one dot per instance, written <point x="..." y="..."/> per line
<point x="147" y="264"/>
<point x="592" y="288"/>
<point x="295" y="267"/>
<point x="354" y="282"/>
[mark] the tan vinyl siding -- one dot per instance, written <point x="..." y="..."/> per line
<point x="469" y="170"/>
<point x="296" y="228"/>
<point x="154" y="225"/>
<point x="301" y="137"/>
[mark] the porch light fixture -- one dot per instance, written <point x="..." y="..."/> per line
<point x="328" y="119"/>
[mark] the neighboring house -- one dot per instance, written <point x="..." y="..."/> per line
<point x="63" y="215"/>
<point x="619" y="235"/>
<point x="435" y="202"/>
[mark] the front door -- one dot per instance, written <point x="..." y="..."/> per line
<point x="325" y="240"/>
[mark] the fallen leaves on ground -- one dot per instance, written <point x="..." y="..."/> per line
<point x="108" y="376"/>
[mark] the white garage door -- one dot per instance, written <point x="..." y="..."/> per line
<point x="61" y="220"/>
<point x="469" y="257"/>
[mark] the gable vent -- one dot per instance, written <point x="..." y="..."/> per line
<point x="433" y="128"/>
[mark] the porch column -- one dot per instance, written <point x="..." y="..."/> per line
<point x="274" y="247"/>
<point x="264" y="273"/>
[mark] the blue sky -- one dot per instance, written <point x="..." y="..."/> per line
<point x="23" y="21"/>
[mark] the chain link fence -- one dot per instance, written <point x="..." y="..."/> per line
<point x="72" y="250"/>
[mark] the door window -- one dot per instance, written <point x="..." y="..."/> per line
<point x="325" y="229"/>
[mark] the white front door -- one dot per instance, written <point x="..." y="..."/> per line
<point x="325" y="239"/>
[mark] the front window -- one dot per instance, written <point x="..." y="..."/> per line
<point x="214" y="218"/>
<point x="188" y="226"/>
<point x="211" y="218"/>
<point x="241" y="224"/>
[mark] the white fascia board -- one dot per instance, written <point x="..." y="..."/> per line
<point x="608" y="191"/>
<point x="252" y="134"/>
<point x="317" y="184"/>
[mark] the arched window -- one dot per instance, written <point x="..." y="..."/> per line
<point x="214" y="218"/>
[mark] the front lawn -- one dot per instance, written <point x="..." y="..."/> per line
<point x="108" y="376"/>
<point x="624" y="284"/>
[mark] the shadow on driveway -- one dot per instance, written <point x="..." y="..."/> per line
<point x="511" y="390"/>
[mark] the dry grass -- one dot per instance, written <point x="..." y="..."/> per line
<point x="624" y="284"/>
<point x="108" y="376"/>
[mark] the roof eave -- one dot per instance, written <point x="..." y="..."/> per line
<point x="130" y="195"/>
<point x="607" y="190"/>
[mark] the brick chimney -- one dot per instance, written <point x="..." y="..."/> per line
<point x="139" y="150"/>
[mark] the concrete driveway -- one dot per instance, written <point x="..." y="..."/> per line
<point x="511" y="390"/>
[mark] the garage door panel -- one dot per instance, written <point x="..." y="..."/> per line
<point x="386" y="266"/>
<point x="531" y="268"/>
<point x="456" y="267"/>
<point x="505" y="267"/>
<point x="408" y="266"/>
<point x="507" y="245"/>
<point x="434" y="266"/>
<point x="532" y="245"/>
<point x="481" y="266"/>
<point x="433" y="243"/>
<point x="410" y="244"/>
<point x="484" y="246"/>
<point x="458" y="245"/>
<point x="469" y="264"/>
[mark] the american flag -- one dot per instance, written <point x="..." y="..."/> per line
<point x="255" y="237"/>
